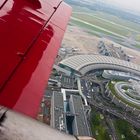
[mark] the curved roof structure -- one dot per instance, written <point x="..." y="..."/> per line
<point x="86" y="63"/>
<point x="127" y="96"/>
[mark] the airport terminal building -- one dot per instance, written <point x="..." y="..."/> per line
<point x="81" y="64"/>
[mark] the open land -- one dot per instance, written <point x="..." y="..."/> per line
<point x="79" y="38"/>
<point x="87" y="27"/>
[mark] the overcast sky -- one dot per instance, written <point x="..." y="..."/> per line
<point x="129" y="4"/>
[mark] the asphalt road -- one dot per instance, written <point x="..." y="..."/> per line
<point x="104" y="105"/>
<point x="111" y="110"/>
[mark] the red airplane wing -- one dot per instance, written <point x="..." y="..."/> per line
<point x="31" y="32"/>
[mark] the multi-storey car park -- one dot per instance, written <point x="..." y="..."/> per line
<point x="83" y="64"/>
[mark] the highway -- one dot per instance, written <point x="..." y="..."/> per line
<point x="112" y="128"/>
<point x="111" y="110"/>
<point x="104" y="105"/>
<point x="89" y="84"/>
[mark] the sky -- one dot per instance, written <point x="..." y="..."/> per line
<point x="127" y="4"/>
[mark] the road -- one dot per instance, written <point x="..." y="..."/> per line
<point x="111" y="110"/>
<point x="105" y="106"/>
<point x="112" y="128"/>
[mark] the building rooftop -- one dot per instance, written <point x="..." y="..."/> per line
<point x="80" y="125"/>
<point x="86" y="63"/>
<point x="57" y="112"/>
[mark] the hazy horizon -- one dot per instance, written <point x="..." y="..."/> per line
<point x="133" y="5"/>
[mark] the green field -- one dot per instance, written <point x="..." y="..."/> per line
<point x="108" y="17"/>
<point x="106" y="25"/>
<point x="137" y="46"/>
<point x="110" y="26"/>
<point x="98" y="129"/>
<point x="88" y="29"/>
<point x="92" y="28"/>
<point x="124" y="130"/>
<point x="118" y="20"/>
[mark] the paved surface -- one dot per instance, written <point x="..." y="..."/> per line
<point x="116" y="113"/>
<point x="104" y="105"/>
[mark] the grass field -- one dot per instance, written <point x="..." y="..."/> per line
<point x="97" y="126"/>
<point x="137" y="46"/>
<point x="118" y="20"/>
<point x="108" y="17"/>
<point x="92" y="28"/>
<point x="124" y="130"/>
<point x="138" y="38"/>
<point x="108" y="25"/>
